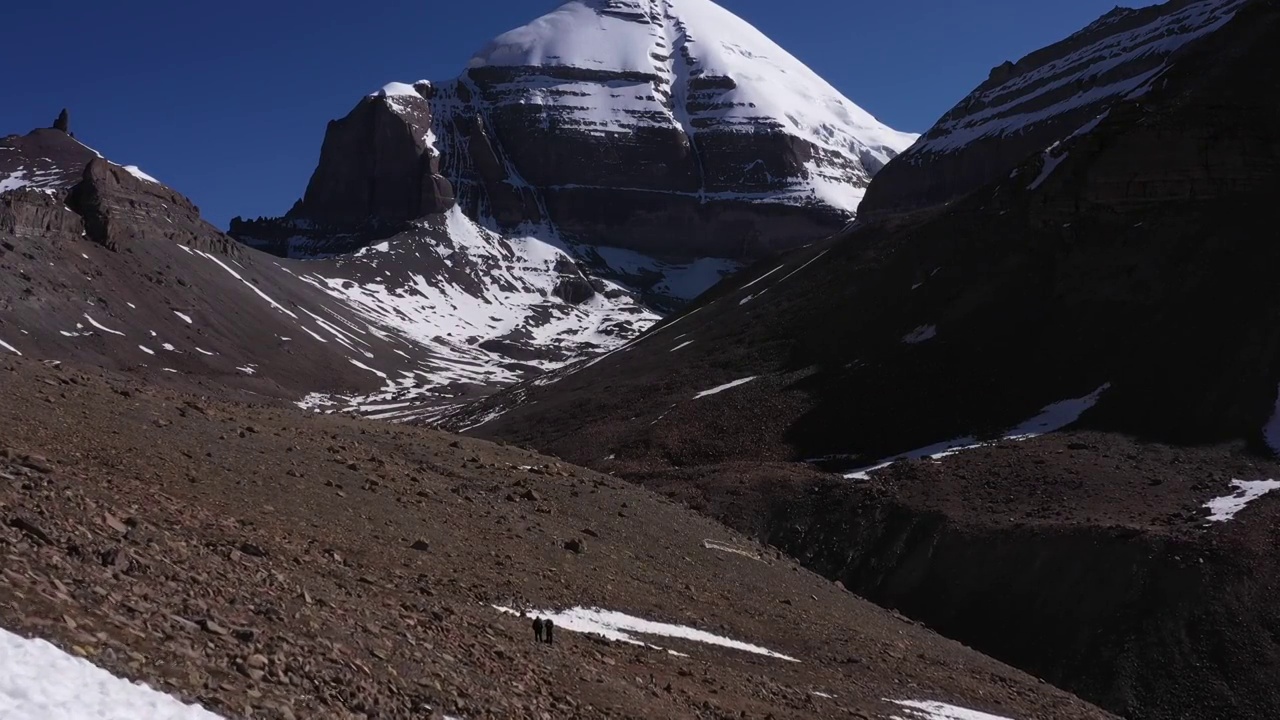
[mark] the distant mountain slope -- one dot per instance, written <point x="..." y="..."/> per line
<point x="103" y="264"/>
<point x="1117" y="282"/>
<point x="1028" y="106"/>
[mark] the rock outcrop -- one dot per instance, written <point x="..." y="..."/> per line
<point x="62" y="122"/>
<point x="120" y="208"/>
<point x="378" y="165"/>
<point x="1029" y="106"/>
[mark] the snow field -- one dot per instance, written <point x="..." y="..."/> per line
<point x="40" y="682"/>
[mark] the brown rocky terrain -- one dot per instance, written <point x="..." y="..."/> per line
<point x="267" y="563"/>
<point x="1129" y="264"/>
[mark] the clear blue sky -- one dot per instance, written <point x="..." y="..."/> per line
<point x="226" y="101"/>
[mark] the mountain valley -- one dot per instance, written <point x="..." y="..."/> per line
<point x="640" y="324"/>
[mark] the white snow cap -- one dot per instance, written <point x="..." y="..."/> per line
<point x="397" y="89"/>
<point x="40" y="682"/>
<point x="675" y="43"/>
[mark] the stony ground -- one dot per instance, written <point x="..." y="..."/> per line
<point x="268" y="563"/>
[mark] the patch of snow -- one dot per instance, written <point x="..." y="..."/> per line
<point x="40" y="682"/>
<point x="495" y="286"/>
<point x="685" y="344"/>
<point x="621" y="627"/>
<point x="14" y="181"/>
<point x="146" y="350"/>
<point x="922" y="710"/>
<point x="9" y="347"/>
<point x="169" y="347"/>
<point x="185" y="318"/>
<point x="362" y="366"/>
<point x="689" y="281"/>
<point x="821" y="694"/>
<point x="381" y="247"/>
<point x="722" y="388"/>
<point x="1051" y="418"/>
<point x="204" y="352"/>
<point x="1051" y="158"/>
<point x="920" y="334"/>
<point x="249" y="369"/>
<point x="102" y="327"/>
<point x="728" y="548"/>
<point x="1246" y="491"/>
<point x="680" y="281"/>
<point x="135" y="171"/>
<point x="170" y="370"/>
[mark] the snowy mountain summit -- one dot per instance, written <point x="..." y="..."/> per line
<point x="667" y="127"/>
<point x="750" y="120"/>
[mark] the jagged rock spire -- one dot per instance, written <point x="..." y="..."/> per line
<point x="63" y="122"/>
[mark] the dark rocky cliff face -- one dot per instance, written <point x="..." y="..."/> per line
<point x="377" y="163"/>
<point x="1026" y="107"/>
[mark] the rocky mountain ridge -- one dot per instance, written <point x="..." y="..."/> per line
<point x="106" y="265"/>
<point x="1044" y="98"/>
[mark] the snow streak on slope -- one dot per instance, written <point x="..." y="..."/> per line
<point x="1050" y="419"/>
<point x="621" y="627"/>
<point x="924" y="710"/>
<point x="696" y="67"/>
<point x="40" y="682"/>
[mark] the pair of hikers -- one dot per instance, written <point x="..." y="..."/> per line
<point x="543" y="630"/>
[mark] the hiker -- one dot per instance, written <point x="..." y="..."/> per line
<point x="538" y="625"/>
<point x="547" y="627"/>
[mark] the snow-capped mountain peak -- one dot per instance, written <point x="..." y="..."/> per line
<point x="691" y="65"/>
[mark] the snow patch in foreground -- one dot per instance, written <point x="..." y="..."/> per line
<point x="1246" y="491"/>
<point x="620" y="627"/>
<point x="40" y="682"/>
<point x="9" y="347"/>
<point x="1051" y="418"/>
<point x="920" y="710"/>
<point x="724" y="387"/>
